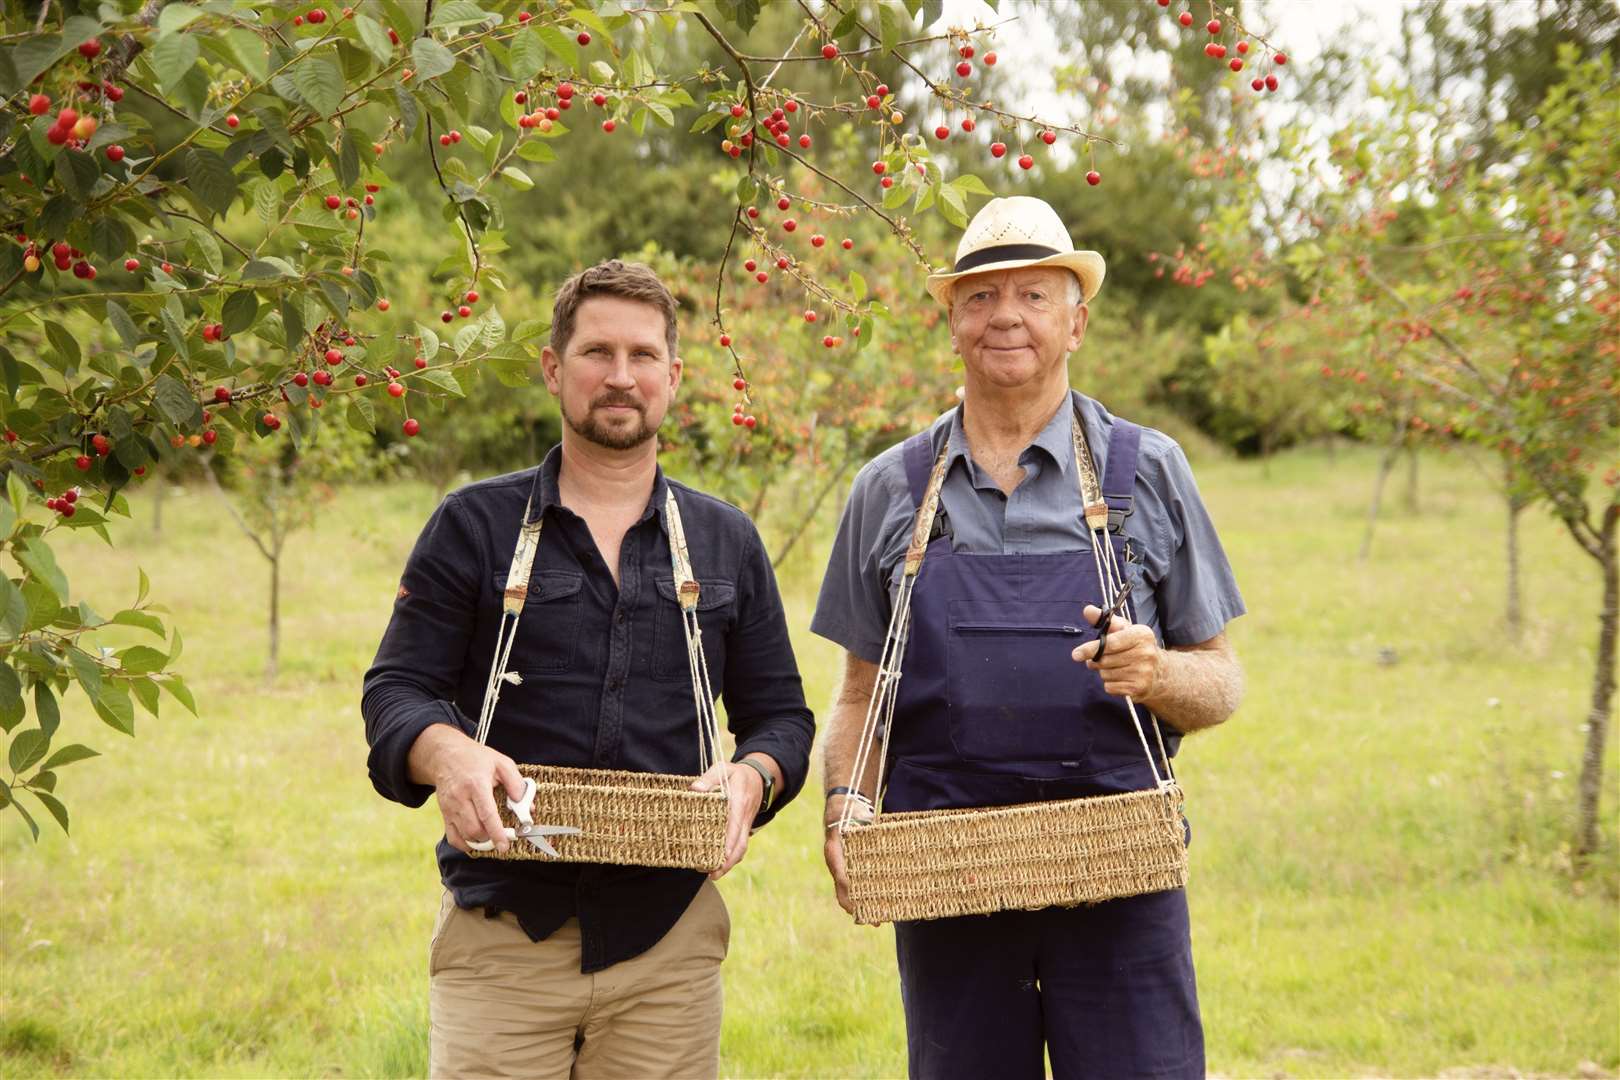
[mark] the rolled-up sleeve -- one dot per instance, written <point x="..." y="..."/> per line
<point x="413" y="679"/>
<point x="763" y="694"/>
<point x="1197" y="595"/>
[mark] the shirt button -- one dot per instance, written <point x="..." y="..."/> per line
<point x="615" y="683"/>
<point x="618" y="617"/>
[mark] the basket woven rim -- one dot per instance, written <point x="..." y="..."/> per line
<point x="901" y="818"/>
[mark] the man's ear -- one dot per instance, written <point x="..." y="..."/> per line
<point x="550" y="362"/>
<point x="1077" y="334"/>
<point x="676" y="367"/>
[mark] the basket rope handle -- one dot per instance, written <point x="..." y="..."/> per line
<point x="880" y="709"/>
<point x="687" y="590"/>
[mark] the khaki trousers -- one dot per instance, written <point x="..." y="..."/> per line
<point x="503" y="1005"/>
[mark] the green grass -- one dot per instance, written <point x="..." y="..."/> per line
<point x="1379" y="880"/>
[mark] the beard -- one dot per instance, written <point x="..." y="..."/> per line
<point x="612" y="436"/>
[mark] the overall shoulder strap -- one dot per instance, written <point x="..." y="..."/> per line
<point x="1119" y="475"/>
<point x="919" y="458"/>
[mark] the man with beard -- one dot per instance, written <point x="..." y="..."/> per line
<point x="567" y="969"/>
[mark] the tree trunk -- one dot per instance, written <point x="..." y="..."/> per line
<point x="1384" y="467"/>
<point x="1411" y="478"/>
<point x="160" y="485"/>
<point x="1515" y="610"/>
<point x="809" y="515"/>
<point x="1597" y="720"/>
<point x="273" y="667"/>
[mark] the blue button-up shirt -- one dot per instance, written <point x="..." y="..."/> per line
<point x="605" y="682"/>
<point x="1181" y="582"/>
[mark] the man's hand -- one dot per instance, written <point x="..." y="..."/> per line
<point x="1131" y="658"/>
<point x="464" y="773"/>
<point x="747" y="791"/>
<point x="833" y="849"/>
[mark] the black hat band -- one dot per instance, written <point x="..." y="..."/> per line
<point x="1003" y="253"/>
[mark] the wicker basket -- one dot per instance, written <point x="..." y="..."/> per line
<point x="932" y="864"/>
<point x="628" y="818"/>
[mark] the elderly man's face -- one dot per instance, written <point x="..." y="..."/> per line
<point x="617" y="379"/>
<point x="1013" y="327"/>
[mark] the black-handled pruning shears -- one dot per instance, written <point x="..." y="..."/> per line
<point x="1106" y="617"/>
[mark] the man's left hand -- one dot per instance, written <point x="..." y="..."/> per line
<point x="1131" y="657"/>
<point x="747" y="791"/>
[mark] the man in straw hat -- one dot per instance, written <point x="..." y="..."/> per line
<point x="545" y="969"/>
<point x="1004" y="699"/>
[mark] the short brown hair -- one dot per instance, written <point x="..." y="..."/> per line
<point x="628" y="280"/>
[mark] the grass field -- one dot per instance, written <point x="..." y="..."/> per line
<point x="1379" y="881"/>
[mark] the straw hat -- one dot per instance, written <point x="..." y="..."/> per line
<point x="1018" y="231"/>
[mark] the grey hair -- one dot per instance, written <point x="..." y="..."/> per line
<point x="1076" y="292"/>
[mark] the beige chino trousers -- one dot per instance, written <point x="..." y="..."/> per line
<point x="503" y="1005"/>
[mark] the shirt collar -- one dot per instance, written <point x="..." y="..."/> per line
<point x="1056" y="438"/>
<point x="548" y="495"/>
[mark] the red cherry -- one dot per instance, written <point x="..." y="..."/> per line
<point x="810" y="316"/>
<point x="232" y="120"/>
<point x="750" y="266"/>
<point x="782" y="263"/>
<point x="964" y="69"/>
<point x="737" y="418"/>
<point x="583" y="38"/>
<point x="942" y="132"/>
<point x="317" y="16"/>
<point x="83" y="462"/>
<point x="300" y="379"/>
<point x="1164" y="3"/>
<point x="360" y="379"/>
<point x="783" y="203"/>
<point x="872" y="101"/>
<point x="989" y="59"/>
<point x="608" y="126"/>
<point x="879" y="167"/>
<point x="101" y="444"/>
<point x="334" y="357"/>
<point x="887" y="181"/>
<point x="1185" y="18"/>
<point x="39" y="104"/>
<point x="565" y="90"/>
<point x="1048" y="137"/>
<point x="1235" y="64"/>
<point x="67" y="118"/>
<point x="471" y="297"/>
<point x="446" y="316"/>
<point x="90" y="49"/>
<point x="1243" y="47"/>
<point x="817" y="240"/>
<point x="412" y="426"/>
<point x="1093" y="177"/>
<point x="882" y="90"/>
<point x="322" y="377"/>
<point x="210" y="436"/>
<point x="70" y="495"/>
<point x="828" y="341"/>
<point x="1026" y="162"/>
<point x="804" y="142"/>
<point x="739" y="383"/>
<point x="333" y="202"/>
<point x="115" y="153"/>
<point x="396" y="389"/>
<point x="967" y="123"/>
<point x="520" y="98"/>
<point x="524" y="16"/>
<point x="791" y="105"/>
<point x="997" y="149"/>
<point x="221" y="394"/>
<point x="848" y="244"/>
<point x="464" y="311"/>
<point x="421" y="362"/>
<point x="444" y="140"/>
<point x="51" y="504"/>
<point x="762" y="277"/>
<point x="598" y="99"/>
<point x="272" y="421"/>
<point x="1258" y="85"/>
<point x="783" y="140"/>
<point x="1279" y="59"/>
<point x="132" y="265"/>
<point x="737" y="109"/>
<point x="753" y="211"/>
<point x="1271" y="82"/>
<point x="789" y="225"/>
<point x="114" y="93"/>
<point x="168" y="268"/>
<point x="828" y="51"/>
<point x="725" y="341"/>
<point x="1213" y="26"/>
<point x="749" y="422"/>
<point x="66" y="509"/>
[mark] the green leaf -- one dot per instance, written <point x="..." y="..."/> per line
<point x="67" y="755"/>
<point x="441" y="378"/>
<point x="211" y="178"/>
<point x="348" y="160"/>
<point x="146" y="692"/>
<point x="240" y="311"/>
<point x="176" y="646"/>
<point x="77" y="172"/>
<point x="848" y="22"/>
<point x="13" y="608"/>
<point x="535" y="150"/>
<point x="319" y="83"/>
<point x="45" y="707"/>
<point x="64" y="343"/>
<point x="176" y="16"/>
<point x="131" y="617"/>
<point x="116" y="709"/>
<point x="530" y="328"/>
<point x="528" y="55"/>
<point x="458" y="13"/>
<point x="362" y="414"/>
<point x="175" y="401"/>
<point x="511" y="367"/>
<point x="517" y="177"/>
<point x="431" y="58"/>
<point x="560" y="45"/>
<point x="12" y="708"/>
<point x="27" y="749"/>
<point x="857" y="285"/>
<point x="123" y="324"/>
<point x="143" y="586"/>
<point x="890" y="26"/>
<point x="42" y="604"/>
<point x="38" y="560"/>
<point x="374" y="37"/>
<point x="54" y="805"/>
<point x="172" y="59"/>
<point x="141" y="660"/>
<point x="971" y="185"/>
<point x="88" y="671"/>
<point x="178" y="690"/>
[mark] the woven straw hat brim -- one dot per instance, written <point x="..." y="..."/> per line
<point x="1087" y="265"/>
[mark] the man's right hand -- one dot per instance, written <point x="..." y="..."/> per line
<point x="463" y="773"/>
<point x="833" y="850"/>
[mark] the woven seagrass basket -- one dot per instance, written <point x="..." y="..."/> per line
<point x="628" y="818"/>
<point x="933" y="864"/>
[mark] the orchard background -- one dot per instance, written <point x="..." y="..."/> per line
<point x="277" y="277"/>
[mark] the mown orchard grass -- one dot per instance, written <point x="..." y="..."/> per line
<point x="1379" y="880"/>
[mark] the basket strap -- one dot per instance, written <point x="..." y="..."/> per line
<point x="687" y="592"/>
<point x="512" y="599"/>
<point x="1098" y="514"/>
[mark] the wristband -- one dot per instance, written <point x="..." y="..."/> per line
<point x="764" y="775"/>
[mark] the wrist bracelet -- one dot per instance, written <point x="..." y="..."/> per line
<point x="839" y="790"/>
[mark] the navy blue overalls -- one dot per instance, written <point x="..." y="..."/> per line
<point x="993" y="710"/>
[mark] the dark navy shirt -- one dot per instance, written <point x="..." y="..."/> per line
<point x="605" y="682"/>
